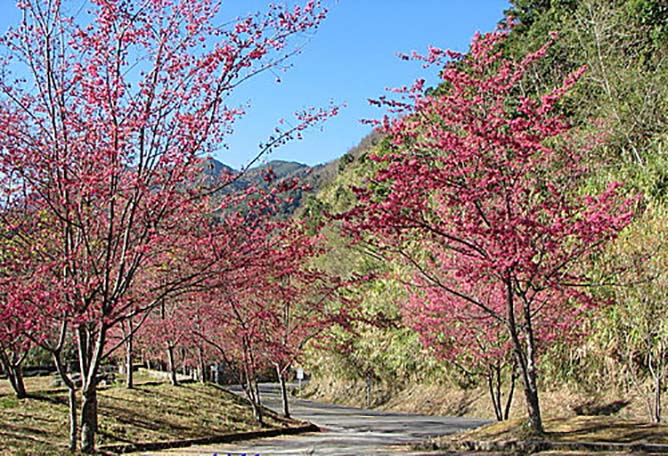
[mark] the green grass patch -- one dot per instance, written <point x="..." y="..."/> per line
<point x="152" y="412"/>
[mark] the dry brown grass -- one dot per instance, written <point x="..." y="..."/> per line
<point x="32" y="384"/>
<point x="448" y="400"/>
<point x="565" y="401"/>
<point x="571" y="429"/>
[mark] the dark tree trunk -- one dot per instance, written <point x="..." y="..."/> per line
<point x="129" y="378"/>
<point x="657" y="370"/>
<point x="72" y="404"/>
<point x="172" y="366"/>
<point x="17" y="382"/>
<point x="657" y="400"/>
<point x="528" y="373"/>
<point x="368" y="389"/>
<point x="248" y="378"/>
<point x="88" y="419"/>
<point x="494" y="389"/>
<point x="511" y="392"/>
<point x="653" y="400"/>
<point x="71" y="398"/>
<point x="525" y="358"/>
<point x="284" y="392"/>
<point x="530" y="378"/>
<point x="202" y="365"/>
<point x="91" y="343"/>
<point x="14" y="370"/>
<point x="253" y="392"/>
<point x="257" y="413"/>
<point x="15" y="375"/>
<point x="258" y="398"/>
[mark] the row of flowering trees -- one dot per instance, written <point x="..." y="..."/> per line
<point x="254" y="317"/>
<point x="113" y="235"/>
<point x="108" y="221"/>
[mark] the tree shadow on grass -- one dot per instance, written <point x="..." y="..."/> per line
<point x="139" y="418"/>
<point x="593" y="408"/>
<point x="10" y="440"/>
<point x="624" y="432"/>
<point x="23" y="432"/>
<point x="51" y="398"/>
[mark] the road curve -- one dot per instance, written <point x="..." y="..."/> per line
<point x="347" y="431"/>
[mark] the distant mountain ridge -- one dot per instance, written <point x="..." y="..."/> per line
<point x="312" y="177"/>
<point x="280" y="169"/>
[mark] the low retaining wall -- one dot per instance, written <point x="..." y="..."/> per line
<point x="225" y="438"/>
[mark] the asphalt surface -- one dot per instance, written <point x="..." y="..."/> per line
<point x="347" y="431"/>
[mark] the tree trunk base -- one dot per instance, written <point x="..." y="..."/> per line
<point x="88" y="420"/>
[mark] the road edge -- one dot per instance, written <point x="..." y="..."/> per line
<point x="223" y="438"/>
<point x="536" y="446"/>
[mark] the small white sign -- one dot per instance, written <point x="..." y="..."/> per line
<point x="300" y="373"/>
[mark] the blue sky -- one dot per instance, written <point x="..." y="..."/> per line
<point x="351" y="58"/>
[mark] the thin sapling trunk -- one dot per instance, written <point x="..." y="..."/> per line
<point x="284" y="391"/>
<point x="172" y="366"/>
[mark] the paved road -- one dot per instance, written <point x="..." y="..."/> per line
<point x="348" y="432"/>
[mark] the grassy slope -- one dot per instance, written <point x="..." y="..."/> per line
<point x="152" y="412"/>
<point x="446" y="399"/>
<point x="573" y="429"/>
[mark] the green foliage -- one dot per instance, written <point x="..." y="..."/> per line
<point x="623" y="44"/>
<point x="636" y="327"/>
<point x="377" y="345"/>
<point x="37" y="356"/>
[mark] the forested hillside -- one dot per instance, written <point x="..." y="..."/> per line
<point x="617" y="350"/>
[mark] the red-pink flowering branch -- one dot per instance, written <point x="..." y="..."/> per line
<point x="484" y="185"/>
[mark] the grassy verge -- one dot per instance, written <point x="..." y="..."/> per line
<point x="152" y="412"/>
<point x="572" y="430"/>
